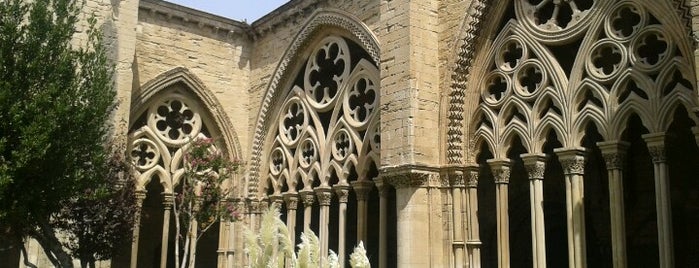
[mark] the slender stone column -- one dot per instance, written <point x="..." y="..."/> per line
<point x="308" y="198"/>
<point x="361" y="188"/>
<point x="473" y="242"/>
<point x="292" y="200"/>
<point x="342" y="192"/>
<point x="140" y="196"/>
<point x="535" y="165"/>
<point x="656" y="147"/>
<point x="573" y="162"/>
<point x="457" y="183"/>
<point x="168" y="201"/>
<point x="614" y="153"/>
<point x="501" y="173"/>
<point x="324" y="194"/>
<point x="383" y="188"/>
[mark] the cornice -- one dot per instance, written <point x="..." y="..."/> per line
<point x="194" y="19"/>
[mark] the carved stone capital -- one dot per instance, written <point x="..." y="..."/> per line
<point x="656" y="146"/>
<point x="381" y="186"/>
<point x="535" y="165"/>
<point x="614" y="153"/>
<point x="500" y="169"/>
<point x="471" y="176"/>
<point x="291" y="200"/>
<point x="342" y="192"/>
<point x="254" y="206"/>
<point x="168" y="200"/>
<point x="324" y="194"/>
<point x="140" y="196"/>
<point x="410" y="179"/>
<point x="412" y="176"/>
<point x="361" y="188"/>
<point x="572" y="160"/>
<point x="455" y="177"/>
<point x="276" y="200"/>
<point x="308" y="197"/>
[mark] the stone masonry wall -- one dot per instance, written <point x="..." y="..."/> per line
<point x="219" y="59"/>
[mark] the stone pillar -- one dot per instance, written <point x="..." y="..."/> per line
<point x="140" y="196"/>
<point x="473" y="242"/>
<point x="324" y="194"/>
<point x="656" y="147"/>
<point x="361" y="188"/>
<point x="419" y="244"/>
<point x="383" y="188"/>
<point x="308" y="198"/>
<point x="168" y="201"/>
<point x="342" y="192"/>
<point x="614" y="153"/>
<point x="573" y="162"/>
<point x="501" y="173"/>
<point x="292" y="200"/>
<point x="456" y="179"/>
<point x="535" y="165"/>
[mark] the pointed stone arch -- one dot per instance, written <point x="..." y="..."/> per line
<point x="181" y="75"/>
<point x="323" y="19"/>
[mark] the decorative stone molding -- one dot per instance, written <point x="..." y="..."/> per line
<point x="656" y="146"/>
<point x="500" y="169"/>
<point x="276" y="200"/>
<point x="318" y="20"/>
<point x="614" y="153"/>
<point x="455" y="114"/>
<point x="324" y="195"/>
<point x="535" y="165"/>
<point x="572" y="160"/>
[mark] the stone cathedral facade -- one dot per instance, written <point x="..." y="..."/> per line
<point x="442" y="133"/>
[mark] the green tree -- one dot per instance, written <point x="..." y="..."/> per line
<point x="55" y="101"/>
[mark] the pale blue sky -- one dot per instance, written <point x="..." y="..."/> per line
<point x="249" y="10"/>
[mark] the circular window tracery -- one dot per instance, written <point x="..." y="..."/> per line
<point x="174" y="120"/>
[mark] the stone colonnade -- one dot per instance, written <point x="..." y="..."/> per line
<point x="465" y="241"/>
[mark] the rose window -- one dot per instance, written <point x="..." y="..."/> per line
<point x="175" y="121"/>
<point x="557" y="14"/>
<point x="326" y="70"/>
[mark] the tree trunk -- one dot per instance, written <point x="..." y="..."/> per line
<point x="52" y="247"/>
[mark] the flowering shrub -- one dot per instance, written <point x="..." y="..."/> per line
<point x="202" y="200"/>
<point x="271" y="247"/>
